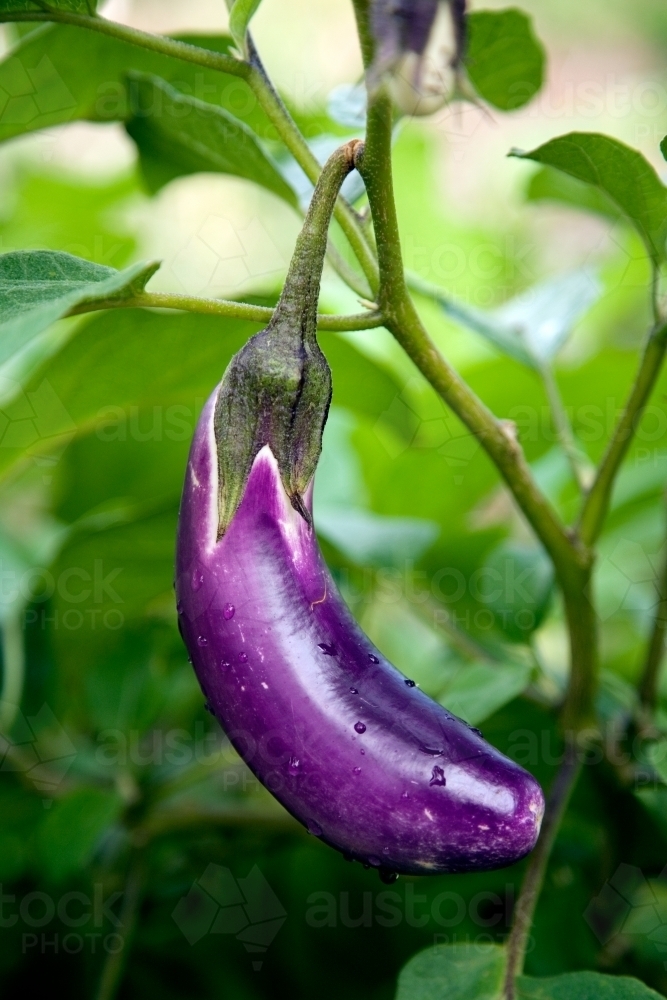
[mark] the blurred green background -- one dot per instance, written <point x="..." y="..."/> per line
<point x="117" y="791"/>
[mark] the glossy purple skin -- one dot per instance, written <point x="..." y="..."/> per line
<point x="367" y="763"/>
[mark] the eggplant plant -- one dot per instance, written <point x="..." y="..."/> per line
<point x="360" y="756"/>
<point x="350" y="746"/>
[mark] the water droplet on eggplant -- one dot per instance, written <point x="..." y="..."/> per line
<point x="359" y="727"/>
<point x="438" y="776"/>
<point x="410" y="683"/>
<point x="243" y="657"/>
<point x="387" y="877"/>
<point x="314" y="828"/>
<point x="228" y="612"/>
<point x="294" y="766"/>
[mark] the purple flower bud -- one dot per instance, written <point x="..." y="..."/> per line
<point x="419" y="50"/>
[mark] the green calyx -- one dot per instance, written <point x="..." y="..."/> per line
<point x="277" y="389"/>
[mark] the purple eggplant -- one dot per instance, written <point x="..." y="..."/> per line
<point x="354" y="750"/>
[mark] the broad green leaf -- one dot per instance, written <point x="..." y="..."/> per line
<point x="533" y="327"/>
<point x="584" y="986"/>
<point x="478" y="690"/>
<point x="145" y="375"/>
<point x="504" y="60"/>
<point x="109" y="577"/>
<point x="75" y="6"/>
<point x="621" y="173"/>
<point x="72" y="829"/>
<point x="37" y="287"/>
<point x="178" y="135"/>
<point x="454" y="972"/>
<point x="346" y="105"/>
<point x="516" y="586"/>
<point x="476" y="972"/>
<point x="548" y="184"/>
<point x="342" y="515"/>
<point x="62" y="213"/>
<point x="663" y="147"/>
<point x="41" y="85"/>
<point x="367" y="538"/>
<point x="239" y="18"/>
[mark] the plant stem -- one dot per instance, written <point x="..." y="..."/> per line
<point x="597" y="502"/>
<point x="222" y="307"/>
<point x="288" y="131"/>
<point x="144" y="39"/>
<point x="402" y="320"/>
<point x="532" y="883"/>
<point x="112" y="970"/>
<point x="254" y="75"/>
<point x="13" y="669"/>
<point x="581" y="469"/>
<point x="579" y="707"/>
<point x="648" y="686"/>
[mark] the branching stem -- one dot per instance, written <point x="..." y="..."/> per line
<point x="648" y="686"/>
<point x="537" y="865"/>
<point x="254" y="75"/>
<point x="597" y="502"/>
<point x="223" y="307"/>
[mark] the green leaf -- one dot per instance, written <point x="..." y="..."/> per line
<point x="584" y="986"/>
<point x="239" y="18"/>
<point x="41" y="85"/>
<point x="476" y="972"/>
<point x="516" y="587"/>
<point x="178" y="135"/>
<point x="534" y="326"/>
<point x="621" y="173"/>
<point x="548" y="184"/>
<point x="454" y="972"/>
<point x="123" y="363"/>
<point x="505" y="61"/>
<point x="72" y="829"/>
<point x="478" y="690"/>
<point x="75" y="6"/>
<point x="37" y="287"/>
<point x="663" y="147"/>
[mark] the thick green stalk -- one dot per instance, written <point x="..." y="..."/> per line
<point x="597" y="502"/>
<point x="648" y="686"/>
<point x="531" y="886"/>
<point x="114" y="965"/>
<point x="579" y="707"/>
<point x="402" y="320"/>
<point x="223" y="307"/>
<point x="277" y="389"/>
<point x="13" y="669"/>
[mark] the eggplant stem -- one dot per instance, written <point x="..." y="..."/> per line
<point x="559" y="796"/>
<point x="114" y="965"/>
